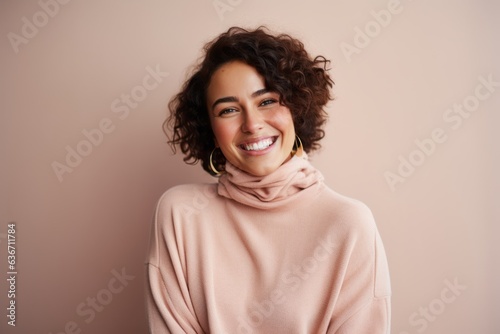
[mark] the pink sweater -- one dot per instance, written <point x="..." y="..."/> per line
<point x="276" y="254"/>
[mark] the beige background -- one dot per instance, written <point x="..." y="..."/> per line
<point x="440" y="224"/>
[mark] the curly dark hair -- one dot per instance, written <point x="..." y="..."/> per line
<point x="302" y="82"/>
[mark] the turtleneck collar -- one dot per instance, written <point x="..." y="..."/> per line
<point x="272" y="190"/>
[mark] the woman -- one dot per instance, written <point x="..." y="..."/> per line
<point x="269" y="248"/>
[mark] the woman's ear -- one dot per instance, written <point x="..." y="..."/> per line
<point x="215" y="142"/>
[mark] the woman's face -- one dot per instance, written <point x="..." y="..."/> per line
<point x="254" y="132"/>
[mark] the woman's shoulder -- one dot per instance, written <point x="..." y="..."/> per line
<point x="347" y="210"/>
<point x="344" y="202"/>
<point x="194" y="194"/>
<point x="183" y="203"/>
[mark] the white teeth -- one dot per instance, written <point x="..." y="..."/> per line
<point x="261" y="145"/>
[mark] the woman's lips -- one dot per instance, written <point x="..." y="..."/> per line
<point x="259" y="144"/>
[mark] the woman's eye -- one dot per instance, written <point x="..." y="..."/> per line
<point x="268" y="102"/>
<point x="227" y="111"/>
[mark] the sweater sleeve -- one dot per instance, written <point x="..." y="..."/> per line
<point x="168" y="300"/>
<point x="373" y="316"/>
<point x="166" y="316"/>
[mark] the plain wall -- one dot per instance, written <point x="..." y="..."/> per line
<point x="394" y="87"/>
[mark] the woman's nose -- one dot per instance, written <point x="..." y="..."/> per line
<point x="252" y="120"/>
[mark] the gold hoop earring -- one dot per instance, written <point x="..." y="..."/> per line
<point x="211" y="164"/>
<point x="298" y="149"/>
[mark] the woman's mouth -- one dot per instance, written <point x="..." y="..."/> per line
<point x="259" y="145"/>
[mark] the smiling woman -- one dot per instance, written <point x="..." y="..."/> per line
<point x="275" y="250"/>
<point x="280" y="65"/>
<point x="252" y="129"/>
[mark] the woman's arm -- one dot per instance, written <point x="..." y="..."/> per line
<point x="169" y="304"/>
<point x="366" y="308"/>
<point x="165" y="314"/>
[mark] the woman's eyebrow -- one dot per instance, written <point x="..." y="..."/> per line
<point x="224" y="99"/>
<point x="235" y="99"/>
<point x="260" y="92"/>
